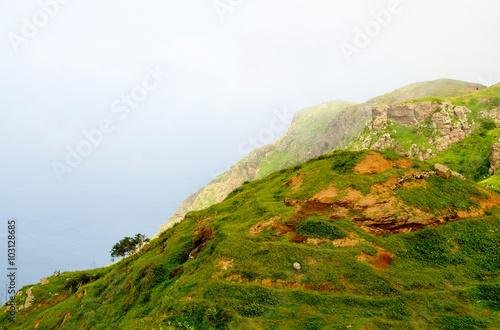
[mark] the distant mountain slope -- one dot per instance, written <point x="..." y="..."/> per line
<point x="319" y="245"/>
<point x="314" y="131"/>
<point x="439" y="87"/>
<point x="308" y="136"/>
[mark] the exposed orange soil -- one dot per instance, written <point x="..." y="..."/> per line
<point x="373" y="163"/>
<point x="341" y="242"/>
<point x="381" y="260"/>
<point x="324" y="286"/>
<point x="403" y="163"/>
<point x="296" y="181"/>
<point x="275" y="223"/>
<point x="225" y="263"/>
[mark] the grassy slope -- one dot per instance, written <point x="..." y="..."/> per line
<point x="304" y="139"/>
<point x="471" y="155"/>
<point x="315" y="131"/>
<point x="309" y="130"/>
<point x="435" y="88"/>
<point x="442" y="278"/>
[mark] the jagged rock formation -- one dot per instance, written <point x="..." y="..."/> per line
<point x="438" y="125"/>
<point x="494" y="158"/>
<point x="490" y="114"/>
<point x="446" y="173"/>
<point x="405" y="114"/>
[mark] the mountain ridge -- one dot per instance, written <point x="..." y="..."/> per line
<point x="343" y="127"/>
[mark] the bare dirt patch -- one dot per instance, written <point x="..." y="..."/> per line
<point x="260" y="226"/>
<point x="204" y="235"/>
<point x="225" y="263"/>
<point x="275" y="223"/>
<point x="66" y="317"/>
<point x="403" y="163"/>
<point x="413" y="184"/>
<point x="346" y="242"/>
<point x="373" y="163"/>
<point x="485" y="204"/>
<point x="340" y="242"/>
<point x="296" y="182"/>
<point x="326" y="196"/>
<point x="381" y="260"/>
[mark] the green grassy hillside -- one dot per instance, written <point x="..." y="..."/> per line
<point x="313" y="132"/>
<point x="341" y="217"/>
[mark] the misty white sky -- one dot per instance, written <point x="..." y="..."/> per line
<point x="226" y="78"/>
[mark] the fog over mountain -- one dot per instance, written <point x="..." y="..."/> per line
<point x="113" y="113"/>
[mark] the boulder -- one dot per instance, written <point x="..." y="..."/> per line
<point x="458" y="175"/>
<point x="442" y="171"/>
<point x="446" y="173"/>
<point x="296" y="266"/>
<point x="494" y="158"/>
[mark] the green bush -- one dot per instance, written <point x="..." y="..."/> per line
<point x="320" y="229"/>
<point x="460" y="322"/>
<point x="488" y="124"/>
<point x="489" y="293"/>
<point x="127" y="246"/>
<point x="252" y="310"/>
<point x="430" y="247"/>
<point x="78" y="281"/>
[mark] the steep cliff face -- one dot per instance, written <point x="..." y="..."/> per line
<point x="437" y="126"/>
<point x="313" y="132"/>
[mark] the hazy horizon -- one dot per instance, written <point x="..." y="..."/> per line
<point x="161" y="96"/>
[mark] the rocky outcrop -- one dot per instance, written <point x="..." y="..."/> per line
<point x="452" y="123"/>
<point x="29" y="300"/>
<point x="381" y="211"/>
<point x="440" y="124"/>
<point x="405" y="114"/>
<point x="490" y="114"/>
<point x="494" y="158"/>
<point x="446" y="173"/>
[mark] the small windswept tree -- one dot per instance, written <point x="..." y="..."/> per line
<point x="127" y="246"/>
